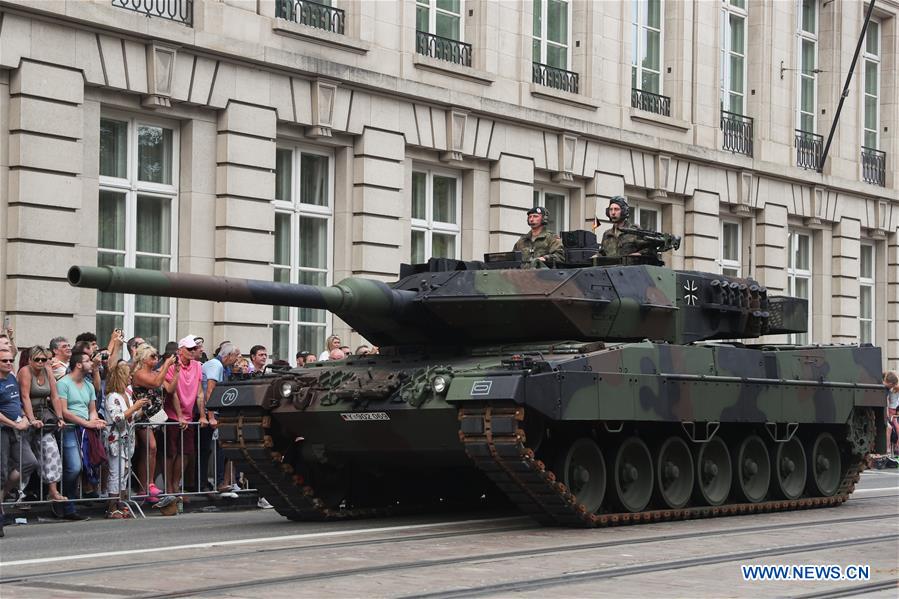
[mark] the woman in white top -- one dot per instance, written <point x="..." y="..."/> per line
<point x="120" y="412"/>
<point x="891" y="382"/>
<point x="332" y="343"/>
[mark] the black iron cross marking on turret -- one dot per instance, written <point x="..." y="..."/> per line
<point x="690" y="289"/>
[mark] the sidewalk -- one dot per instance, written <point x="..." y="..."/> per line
<point x="210" y="502"/>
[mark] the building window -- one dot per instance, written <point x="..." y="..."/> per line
<point x="799" y="276"/>
<point x="731" y="264"/>
<point x="556" y="202"/>
<point x="866" y="294"/>
<point x="808" y="65"/>
<point x="303" y="245"/>
<point x="646" y="39"/>
<point x="646" y="216"/>
<point x="137" y="221"/>
<point x="436" y="215"/>
<point x="552" y="32"/>
<point x="439" y="17"/>
<point x="872" y="86"/>
<point x="733" y="56"/>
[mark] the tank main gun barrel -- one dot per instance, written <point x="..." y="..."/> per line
<point x="364" y="295"/>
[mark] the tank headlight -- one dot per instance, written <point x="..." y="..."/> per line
<point x="286" y="389"/>
<point x="439" y="384"/>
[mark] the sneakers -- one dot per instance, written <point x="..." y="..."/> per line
<point x="263" y="504"/>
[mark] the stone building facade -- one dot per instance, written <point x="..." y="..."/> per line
<point x="288" y="140"/>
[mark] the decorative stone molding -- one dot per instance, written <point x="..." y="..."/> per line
<point x="160" y="73"/>
<point x="743" y="207"/>
<point x="324" y="93"/>
<point x="662" y="163"/>
<point x="567" y="149"/>
<point x="818" y="218"/>
<point x="882" y="216"/>
<point x="455" y="134"/>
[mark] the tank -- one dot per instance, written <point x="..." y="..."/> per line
<point x="599" y="392"/>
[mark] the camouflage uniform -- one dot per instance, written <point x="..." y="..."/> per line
<point x="546" y="244"/>
<point x="621" y="244"/>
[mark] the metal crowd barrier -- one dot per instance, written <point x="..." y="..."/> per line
<point x="128" y="474"/>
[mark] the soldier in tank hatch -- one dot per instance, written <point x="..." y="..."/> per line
<point x="539" y="247"/>
<point x="614" y="241"/>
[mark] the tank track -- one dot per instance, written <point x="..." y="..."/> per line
<point x="496" y="444"/>
<point x="244" y="437"/>
<point x="493" y="440"/>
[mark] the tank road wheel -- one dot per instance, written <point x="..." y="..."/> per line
<point x="713" y="472"/>
<point x="583" y="471"/>
<point x="790" y="470"/>
<point x="753" y="469"/>
<point x="674" y="473"/>
<point x="825" y="466"/>
<point x="633" y="475"/>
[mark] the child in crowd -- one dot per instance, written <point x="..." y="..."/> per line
<point x="121" y="412"/>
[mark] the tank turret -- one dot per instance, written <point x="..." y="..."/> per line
<point x="451" y="303"/>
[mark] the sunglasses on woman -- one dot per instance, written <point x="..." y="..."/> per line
<point x="39" y="360"/>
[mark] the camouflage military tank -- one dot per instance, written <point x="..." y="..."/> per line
<point x="585" y="394"/>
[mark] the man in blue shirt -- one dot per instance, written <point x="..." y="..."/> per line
<point x="16" y="458"/>
<point x="217" y="371"/>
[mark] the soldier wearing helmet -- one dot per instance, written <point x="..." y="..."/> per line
<point x="615" y="242"/>
<point x="539" y="247"/>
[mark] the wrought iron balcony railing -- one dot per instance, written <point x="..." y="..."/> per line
<point x="443" y="48"/>
<point x="737" y="132"/>
<point x="874" y="166"/>
<point x="312" y="14"/>
<point x="181" y="11"/>
<point x="557" y="78"/>
<point x="808" y="149"/>
<point x="650" y="102"/>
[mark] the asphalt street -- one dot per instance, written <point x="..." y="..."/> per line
<point x="254" y="553"/>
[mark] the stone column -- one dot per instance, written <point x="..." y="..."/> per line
<point x="770" y="246"/>
<point x="197" y="212"/>
<point x="244" y="216"/>
<point x="44" y="220"/>
<point x="4" y="182"/>
<point x="511" y="196"/>
<point x="891" y="346"/>
<point x="378" y="204"/>
<point x="844" y="303"/>
<point x="701" y="228"/>
<point x="475" y="204"/>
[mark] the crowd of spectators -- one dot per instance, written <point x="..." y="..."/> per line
<point x="84" y="421"/>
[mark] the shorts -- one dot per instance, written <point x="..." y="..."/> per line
<point x="180" y="442"/>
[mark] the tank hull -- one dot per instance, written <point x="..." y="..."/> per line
<point x="543" y="421"/>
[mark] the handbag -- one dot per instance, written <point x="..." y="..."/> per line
<point x="158" y="417"/>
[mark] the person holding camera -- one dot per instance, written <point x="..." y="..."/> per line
<point x="43" y="410"/>
<point x="148" y="382"/>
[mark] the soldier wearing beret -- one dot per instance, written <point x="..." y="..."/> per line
<point x="539" y="247"/>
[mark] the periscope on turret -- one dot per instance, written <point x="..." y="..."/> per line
<point x="603" y="391"/>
